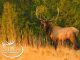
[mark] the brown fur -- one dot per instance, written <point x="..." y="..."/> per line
<point x="59" y="33"/>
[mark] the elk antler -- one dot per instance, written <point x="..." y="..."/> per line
<point x="57" y="14"/>
<point x="40" y="18"/>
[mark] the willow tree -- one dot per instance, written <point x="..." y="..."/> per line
<point x="8" y="17"/>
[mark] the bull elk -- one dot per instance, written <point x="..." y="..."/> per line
<point x="59" y="34"/>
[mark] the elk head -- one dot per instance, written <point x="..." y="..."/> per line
<point x="46" y="26"/>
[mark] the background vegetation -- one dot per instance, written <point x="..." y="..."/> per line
<point x="22" y="14"/>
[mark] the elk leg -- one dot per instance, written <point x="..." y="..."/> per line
<point x="56" y="43"/>
<point x="59" y="43"/>
<point x="67" y="43"/>
<point x="73" y="40"/>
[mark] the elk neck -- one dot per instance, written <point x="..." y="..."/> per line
<point x="48" y="28"/>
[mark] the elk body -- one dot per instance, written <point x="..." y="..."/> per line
<point x="56" y="33"/>
<point x="59" y="34"/>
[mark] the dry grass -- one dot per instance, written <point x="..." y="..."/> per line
<point x="46" y="53"/>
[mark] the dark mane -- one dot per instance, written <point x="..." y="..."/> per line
<point x="48" y="27"/>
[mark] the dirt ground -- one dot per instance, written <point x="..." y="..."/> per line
<point x="46" y="53"/>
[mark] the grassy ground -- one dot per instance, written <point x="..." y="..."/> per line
<point x="46" y="53"/>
